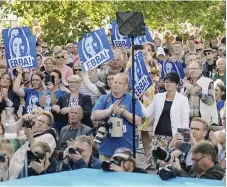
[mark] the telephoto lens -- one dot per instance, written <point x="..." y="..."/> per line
<point x="161" y="154"/>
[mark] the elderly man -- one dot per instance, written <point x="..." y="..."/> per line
<point x="116" y="108"/>
<point x="221" y="73"/>
<point x="200" y="93"/>
<point x="74" y="129"/>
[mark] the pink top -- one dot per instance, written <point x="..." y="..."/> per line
<point x="66" y="71"/>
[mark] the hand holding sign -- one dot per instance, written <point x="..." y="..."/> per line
<point x="19" y="70"/>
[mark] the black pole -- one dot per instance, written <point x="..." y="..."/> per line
<point x="133" y="101"/>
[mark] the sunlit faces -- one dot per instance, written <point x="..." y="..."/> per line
<point x="190" y="58"/>
<point x="74" y="82"/>
<point x="5" y="80"/>
<point x="36" y="81"/>
<point x="42" y="124"/>
<point x="195" y="70"/>
<point x="109" y="79"/>
<point x="177" y="48"/>
<point x="119" y="85"/>
<point x="221" y="64"/>
<point x="75" y="114"/>
<point x="198" y="130"/>
<point x="49" y="65"/>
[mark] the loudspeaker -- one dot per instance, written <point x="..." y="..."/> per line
<point x="131" y="23"/>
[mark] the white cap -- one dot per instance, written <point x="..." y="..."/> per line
<point x="160" y="51"/>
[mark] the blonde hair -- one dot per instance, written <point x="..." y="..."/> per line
<point x="49" y="115"/>
<point x="44" y="146"/>
<point x="83" y="138"/>
<point x="75" y="77"/>
<point x="205" y="124"/>
<point x="38" y="110"/>
<point x="124" y="76"/>
<point x="6" y="145"/>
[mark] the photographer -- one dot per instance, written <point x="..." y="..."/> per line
<point x="80" y="156"/>
<point x="205" y="163"/>
<point x="39" y="131"/>
<point x="179" y="146"/>
<point x="39" y="161"/>
<point x="6" y="152"/>
<point x="122" y="161"/>
<point x="116" y="109"/>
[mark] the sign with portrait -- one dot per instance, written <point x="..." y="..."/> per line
<point x="142" y="78"/>
<point x="94" y="49"/>
<point x="20" y="47"/>
<point x="168" y="67"/>
<point x="119" y="40"/>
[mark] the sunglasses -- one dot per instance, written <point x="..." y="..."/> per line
<point x="197" y="50"/>
<point x="45" y="47"/>
<point x="207" y="54"/>
<point x="77" y="70"/>
<point x="58" y="57"/>
<point x="2" y="47"/>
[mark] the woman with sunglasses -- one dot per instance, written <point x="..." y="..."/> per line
<point x="66" y="71"/>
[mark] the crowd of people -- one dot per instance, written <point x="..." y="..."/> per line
<point x="70" y="119"/>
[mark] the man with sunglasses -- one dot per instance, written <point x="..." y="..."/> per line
<point x="209" y="67"/>
<point x="205" y="165"/>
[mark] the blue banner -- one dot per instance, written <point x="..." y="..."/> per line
<point x="117" y="39"/>
<point x="124" y="41"/>
<point x="94" y="50"/>
<point x="172" y="66"/>
<point x="20" y="47"/>
<point x="142" y="78"/>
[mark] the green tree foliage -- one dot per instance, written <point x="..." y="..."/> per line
<point x="64" y="20"/>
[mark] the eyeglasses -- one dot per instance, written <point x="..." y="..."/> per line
<point x="196" y="129"/>
<point x="193" y="68"/>
<point x="45" y="47"/>
<point x="207" y="54"/>
<point x="74" y="82"/>
<point x="42" y="122"/>
<point x="197" y="160"/>
<point x="2" y="47"/>
<point x="77" y="70"/>
<point x="37" y="80"/>
<point x="197" y="50"/>
<point x="58" y="57"/>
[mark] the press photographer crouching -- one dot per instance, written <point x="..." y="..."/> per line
<point x="79" y="155"/>
<point x="205" y="165"/>
<point x="6" y="152"/>
<point x="39" y="161"/>
<point x="122" y="161"/>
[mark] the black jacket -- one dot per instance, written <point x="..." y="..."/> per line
<point x="84" y="102"/>
<point x="216" y="173"/>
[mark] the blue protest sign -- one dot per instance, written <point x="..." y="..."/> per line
<point x="140" y="40"/>
<point x="142" y="78"/>
<point x="20" y="47"/>
<point x="172" y="66"/>
<point x="117" y="39"/>
<point x="94" y="49"/>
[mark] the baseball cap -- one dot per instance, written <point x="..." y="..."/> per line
<point x="160" y="51"/>
<point x="124" y="153"/>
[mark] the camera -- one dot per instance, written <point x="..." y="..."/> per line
<point x="162" y="154"/>
<point x="2" y="157"/>
<point x="48" y="79"/>
<point x="103" y="128"/>
<point x="185" y="133"/>
<point x="106" y="164"/>
<point x="73" y="150"/>
<point x="28" y="124"/>
<point x="35" y="156"/>
<point x="167" y="172"/>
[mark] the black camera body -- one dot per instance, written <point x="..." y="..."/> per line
<point x="185" y="133"/>
<point x="103" y="128"/>
<point x="74" y="150"/>
<point x="162" y="154"/>
<point x="167" y="172"/>
<point x="28" y="124"/>
<point x="34" y="156"/>
<point x="106" y="164"/>
<point x="2" y="157"/>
